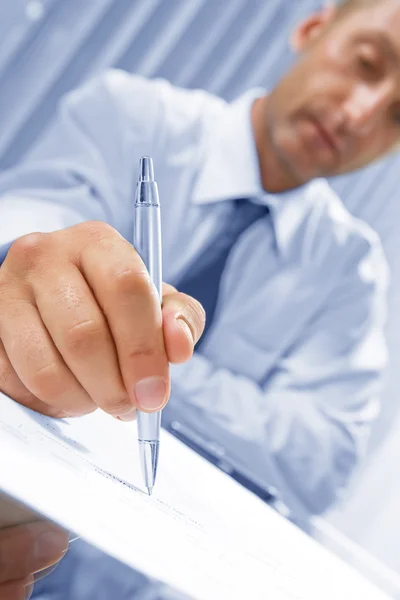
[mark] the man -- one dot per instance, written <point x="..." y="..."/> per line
<point x="288" y="375"/>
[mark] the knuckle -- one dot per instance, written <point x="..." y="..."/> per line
<point x="47" y="382"/>
<point x="84" y="336"/>
<point x="28" y="249"/>
<point x="11" y="385"/>
<point x="98" y="235"/>
<point x="141" y="351"/>
<point x="132" y="281"/>
<point x="96" y="230"/>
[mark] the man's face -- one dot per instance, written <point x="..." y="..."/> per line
<point x="338" y="109"/>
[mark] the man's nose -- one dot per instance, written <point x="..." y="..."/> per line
<point x="366" y="106"/>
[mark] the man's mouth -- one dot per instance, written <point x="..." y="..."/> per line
<point x="327" y="137"/>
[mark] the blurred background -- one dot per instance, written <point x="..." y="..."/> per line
<point x="48" y="47"/>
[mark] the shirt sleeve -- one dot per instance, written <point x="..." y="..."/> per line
<point x="306" y="429"/>
<point x="85" y="166"/>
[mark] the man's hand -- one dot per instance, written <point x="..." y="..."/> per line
<point x="25" y="550"/>
<point x="81" y="325"/>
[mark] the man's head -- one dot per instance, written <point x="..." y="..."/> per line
<point x="338" y="108"/>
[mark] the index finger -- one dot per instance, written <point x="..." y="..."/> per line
<point x="129" y="300"/>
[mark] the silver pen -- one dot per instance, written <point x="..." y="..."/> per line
<point x="147" y="242"/>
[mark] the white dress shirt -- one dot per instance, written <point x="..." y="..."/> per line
<point x="289" y="376"/>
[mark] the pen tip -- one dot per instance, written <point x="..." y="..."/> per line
<point x="149" y="490"/>
<point x="146" y="170"/>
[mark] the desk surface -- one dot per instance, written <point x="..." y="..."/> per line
<point x="200" y="532"/>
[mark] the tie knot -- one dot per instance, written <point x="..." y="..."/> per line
<point x="202" y="282"/>
<point x="246" y="213"/>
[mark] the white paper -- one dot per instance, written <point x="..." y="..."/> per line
<point x="200" y="532"/>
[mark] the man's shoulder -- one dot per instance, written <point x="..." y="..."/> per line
<point x="345" y="230"/>
<point x="176" y="104"/>
<point x="327" y="238"/>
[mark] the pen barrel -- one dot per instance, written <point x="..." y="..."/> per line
<point x="148" y="425"/>
<point x="147" y="227"/>
<point x="147" y="242"/>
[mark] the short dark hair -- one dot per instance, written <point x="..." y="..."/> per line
<point x="344" y="5"/>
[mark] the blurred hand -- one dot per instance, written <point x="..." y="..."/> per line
<point x="25" y="550"/>
<point x="81" y="326"/>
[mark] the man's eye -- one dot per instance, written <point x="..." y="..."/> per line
<point x="368" y="65"/>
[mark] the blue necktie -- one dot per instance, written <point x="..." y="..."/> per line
<point x="202" y="282"/>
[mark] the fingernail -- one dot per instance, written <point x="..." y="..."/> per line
<point x="150" y="393"/>
<point x="50" y="546"/>
<point x="29" y="586"/>
<point x="185" y="327"/>
<point x="45" y="572"/>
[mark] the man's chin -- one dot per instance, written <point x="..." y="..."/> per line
<point x="302" y="162"/>
<point x="295" y="161"/>
<point x="306" y="171"/>
<point x="300" y="173"/>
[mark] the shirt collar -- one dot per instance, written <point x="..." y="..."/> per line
<point x="230" y="169"/>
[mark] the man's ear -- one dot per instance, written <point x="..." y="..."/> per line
<point x="310" y="28"/>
